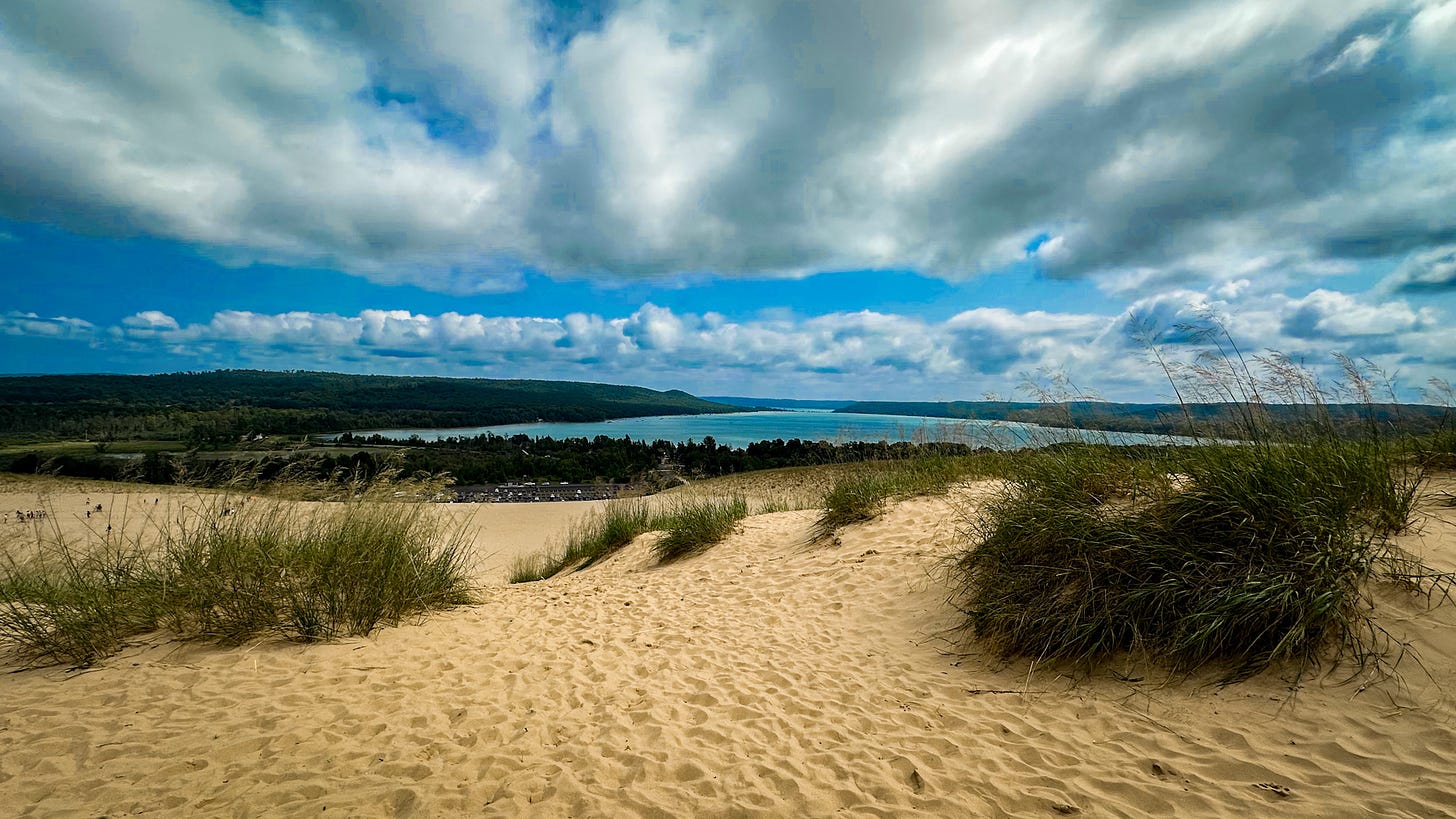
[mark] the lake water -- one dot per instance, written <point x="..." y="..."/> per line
<point x="740" y="429"/>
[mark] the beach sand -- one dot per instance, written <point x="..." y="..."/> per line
<point x="768" y="676"/>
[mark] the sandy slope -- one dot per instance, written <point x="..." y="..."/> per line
<point x="765" y="677"/>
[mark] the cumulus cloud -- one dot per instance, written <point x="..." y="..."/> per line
<point x="993" y="340"/>
<point x="652" y="339"/>
<point x="267" y="146"/>
<point x="460" y="142"/>
<point x="15" y="323"/>
<point x="863" y="354"/>
<point x="148" y="324"/>
<point x="1328" y="314"/>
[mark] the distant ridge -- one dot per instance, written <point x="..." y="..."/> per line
<point x="777" y="403"/>
<point x="234" y="402"/>
<point x="1158" y="419"/>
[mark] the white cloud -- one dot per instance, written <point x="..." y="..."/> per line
<point x="452" y="144"/>
<point x="861" y="354"/>
<point x="651" y="340"/>
<point x="1358" y="54"/>
<point x="1433" y="269"/>
<point x="15" y="323"/>
<point x="1329" y="314"/>
<point x="262" y="148"/>
<point x="149" y="322"/>
<point x="1433" y="30"/>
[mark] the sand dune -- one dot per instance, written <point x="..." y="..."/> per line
<point x="767" y="676"/>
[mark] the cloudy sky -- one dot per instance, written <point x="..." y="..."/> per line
<point x="862" y="200"/>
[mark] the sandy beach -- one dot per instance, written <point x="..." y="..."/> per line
<point x="769" y="676"/>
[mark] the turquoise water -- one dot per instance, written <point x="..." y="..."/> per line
<point x="740" y="429"/>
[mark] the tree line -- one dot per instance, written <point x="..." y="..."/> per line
<point x="485" y="459"/>
<point x="1222" y="419"/>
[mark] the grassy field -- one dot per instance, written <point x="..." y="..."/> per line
<point x="80" y="448"/>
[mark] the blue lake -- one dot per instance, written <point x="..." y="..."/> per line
<point x="740" y="429"/>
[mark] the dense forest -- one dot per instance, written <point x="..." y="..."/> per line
<point x="217" y="408"/>
<point x="1169" y="419"/>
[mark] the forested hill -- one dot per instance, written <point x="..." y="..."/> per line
<point x="1160" y="419"/>
<point x="221" y="405"/>
<point x="777" y="403"/>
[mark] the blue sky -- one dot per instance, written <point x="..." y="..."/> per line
<point x="874" y="200"/>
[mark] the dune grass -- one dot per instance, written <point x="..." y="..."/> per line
<point x="76" y="606"/>
<point x="1253" y="556"/>
<point x="588" y="540"/>
<point x="231" y="572"/>
<point x="863" y="494"/>
<point x="689" y="526"/>
<point x="696" y="524"/>
<point x="1239" y="556"/>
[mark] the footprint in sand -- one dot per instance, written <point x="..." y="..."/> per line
<point x="1278" y="790"/>
<point x="906" y="769"/>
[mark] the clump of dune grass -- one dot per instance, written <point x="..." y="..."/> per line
<point x="1241" y="555"/>
<point x="529" y="568"/>
<point x="589" y="540"/>
<point x="232" y="571"/>
<point x="342" y="570"/>
<point x="696" y="524"/>
<point x="690" y="525"/>
<point x="865" y="493"/>
<point x="853" y="499"/>
<point x="1438" y="447"/>
<point x="1254" y="556"/>
<point x="75" y="606"/>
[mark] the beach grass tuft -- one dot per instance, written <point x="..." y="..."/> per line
<point x="696" y="524"/>
<point x="1237" y="554"/>
<point x="1252" y="556"/>
<point x="76" y="606"/>
<point x="234" y="570"/>
<point x="864" y="493"/>
<point x="587" y="541"/>
<point x="690" y="525"/>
